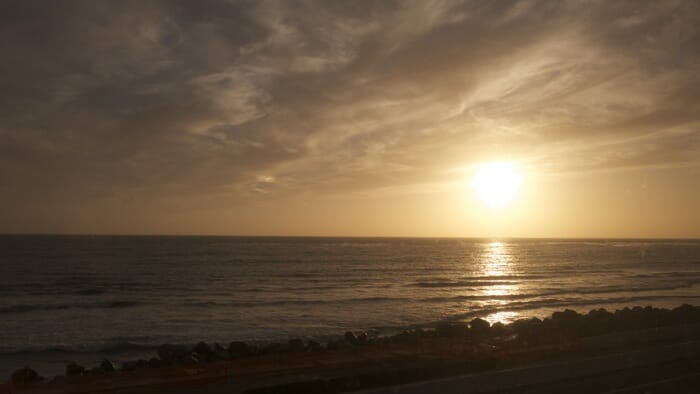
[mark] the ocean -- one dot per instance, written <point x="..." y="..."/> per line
<point x="84" y="298"/>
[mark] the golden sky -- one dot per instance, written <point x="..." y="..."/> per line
<point x="360" y="118"/>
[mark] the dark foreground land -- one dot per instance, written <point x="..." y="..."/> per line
<point x="639" y="350"/>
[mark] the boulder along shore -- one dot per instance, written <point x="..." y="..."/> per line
<point x="484" y="345"/>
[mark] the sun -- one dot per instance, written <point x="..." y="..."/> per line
<point x="497" y="183"/>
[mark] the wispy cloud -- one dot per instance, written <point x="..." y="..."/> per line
<point x="171" y="99"/>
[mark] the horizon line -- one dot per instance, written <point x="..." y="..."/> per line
<point x="340" y="236"/>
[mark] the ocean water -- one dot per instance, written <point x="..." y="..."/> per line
<point x="84" y="298"/>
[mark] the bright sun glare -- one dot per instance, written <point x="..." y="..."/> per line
<point x="497" y="183"/>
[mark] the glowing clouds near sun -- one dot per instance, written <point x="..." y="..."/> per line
<point x="497" y="184"/>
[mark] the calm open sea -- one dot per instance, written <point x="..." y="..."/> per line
<point x="84" y="298"/>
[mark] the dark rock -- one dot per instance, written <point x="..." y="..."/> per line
<point x="107" y="366"/>
<point x="596" y="313"/>
<point x="362" y="338"/>
<point x="219" y="352"/>
<point x="498" y="329"/>
<point x="129" y="366"/>
<point x="421" y="333"/>
<point x="73" y="369"/>
<point x="239" y="349"/>
<point x="24" y="376"/>
<point x="479" y="327"/>
<point x="598" y="322"/>
<point x="155" y="362"/>
<point x="202" y="349"/>
<point x="275" y="347"/>
<point x="135" y="365"/>
<point x="451" y="330"/>
<point x="335" y="345"/>
<point x="57" y="379"/>
<point x="297" y="345"/>
<point x="94" y="371"/>
<point x="567" y="316"/>
<point x="314" y="346"/>
<point x="188" y="360"/>
<point x="171" y="353"/>
<point x="405" y="337"/>
<point x="686" y="314"/>
<point x="350" y="338"/>
<point x="197" y="358"/>
<point x="527" y="329"/>
<point x="624" y="319"/>
<point x="563" y="325"/>
<point x="204" y="357"/>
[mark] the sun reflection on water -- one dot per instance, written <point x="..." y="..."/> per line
<point x="497" y="260"/>
<point x="502" y="317"/>
<point x="497" y="268"/>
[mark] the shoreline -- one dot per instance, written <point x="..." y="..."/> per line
<point x="476" y="339"/>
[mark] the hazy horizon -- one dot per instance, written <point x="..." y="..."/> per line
<point x="331" y="236"/>
<point x="351" y="118"/>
